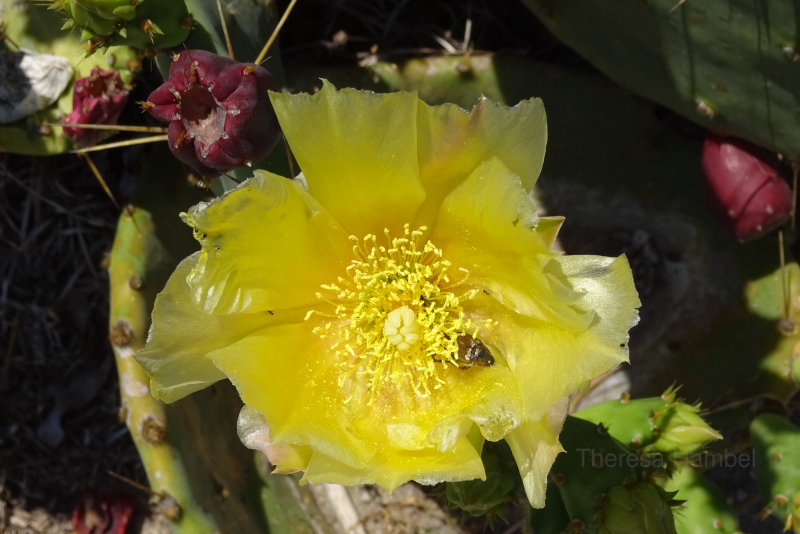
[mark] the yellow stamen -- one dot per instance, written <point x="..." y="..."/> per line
<point x="396" y="316"/>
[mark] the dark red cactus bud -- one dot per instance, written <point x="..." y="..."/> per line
<point x="97" y="99"/>
<point x="102" y="513"/>
<point x="218" y="110"/>
<point x="748" y="193"/>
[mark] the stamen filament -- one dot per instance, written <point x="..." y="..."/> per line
<point x="394" y="316"/>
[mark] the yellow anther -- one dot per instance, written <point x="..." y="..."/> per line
<point x="395" y="316"/>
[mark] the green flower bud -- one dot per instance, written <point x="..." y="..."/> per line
<point x="658" y="424"/>
<point x="637" y="508"/>
<point x="681" y="430"/>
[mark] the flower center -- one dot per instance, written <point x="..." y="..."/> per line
<point x="397" y="316"/>
<point x="202" y="115"/>
<point x="400" y="328"/>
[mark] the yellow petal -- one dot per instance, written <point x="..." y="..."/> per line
<point x="453" y="143"/>
<point x="286" y="373"/>
<point x="487" y="226"/>
<point x="358" y="152"/>
<point x="606" y="286"/>
<point x="390" y="468"/>
<point x="182" y="335"/>
<point x="265" y="245"/>
<point x="283" y="372"/>
<point x="549" y="361"/>
<point x="535" y="447"/>
<point x="549" y="227"/>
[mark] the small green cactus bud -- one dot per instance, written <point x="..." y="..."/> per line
<point x="636" y="508"/>
<point x="681" y="430"/>
<point x="659" y="424"/>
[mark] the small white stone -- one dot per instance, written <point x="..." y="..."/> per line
<point x="32" y="82"/>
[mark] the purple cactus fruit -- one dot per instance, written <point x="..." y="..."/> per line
<point x="97" y="99"/>
<point x="749" y="195"/>
<point x="218" y="110"/>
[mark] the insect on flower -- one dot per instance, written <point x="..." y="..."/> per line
<point x="471" y="352"/>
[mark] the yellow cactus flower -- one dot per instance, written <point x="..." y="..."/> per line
<point x="398" y="304"/>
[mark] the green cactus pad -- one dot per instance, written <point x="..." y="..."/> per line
<point x="594" y="464"/>
<point x="141" y="24"/>
<point x="250" y="23"/>
<point x="134" y="252"/>
<point x="634" y="508"/>
<point x="731" y="66"/>
<point x="777" y="446"/>
<point x="703" y="507"/>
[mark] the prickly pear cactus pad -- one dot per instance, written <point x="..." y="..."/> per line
<point x="604" y="486"/>
<point x="703" y="505"/>
<point x="777" y="445"/>
<point x="403" y="307"/>
<point x="731" y="66"/>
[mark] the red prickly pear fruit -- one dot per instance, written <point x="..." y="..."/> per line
<point x="97" y="99"/>
<point x="748" y="193"/>
<point x="218" y="111"/>
<point x="102" y="513"/>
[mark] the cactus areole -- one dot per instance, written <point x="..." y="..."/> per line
<point x="748" y="193"/>
<point x="218" y="111"/>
